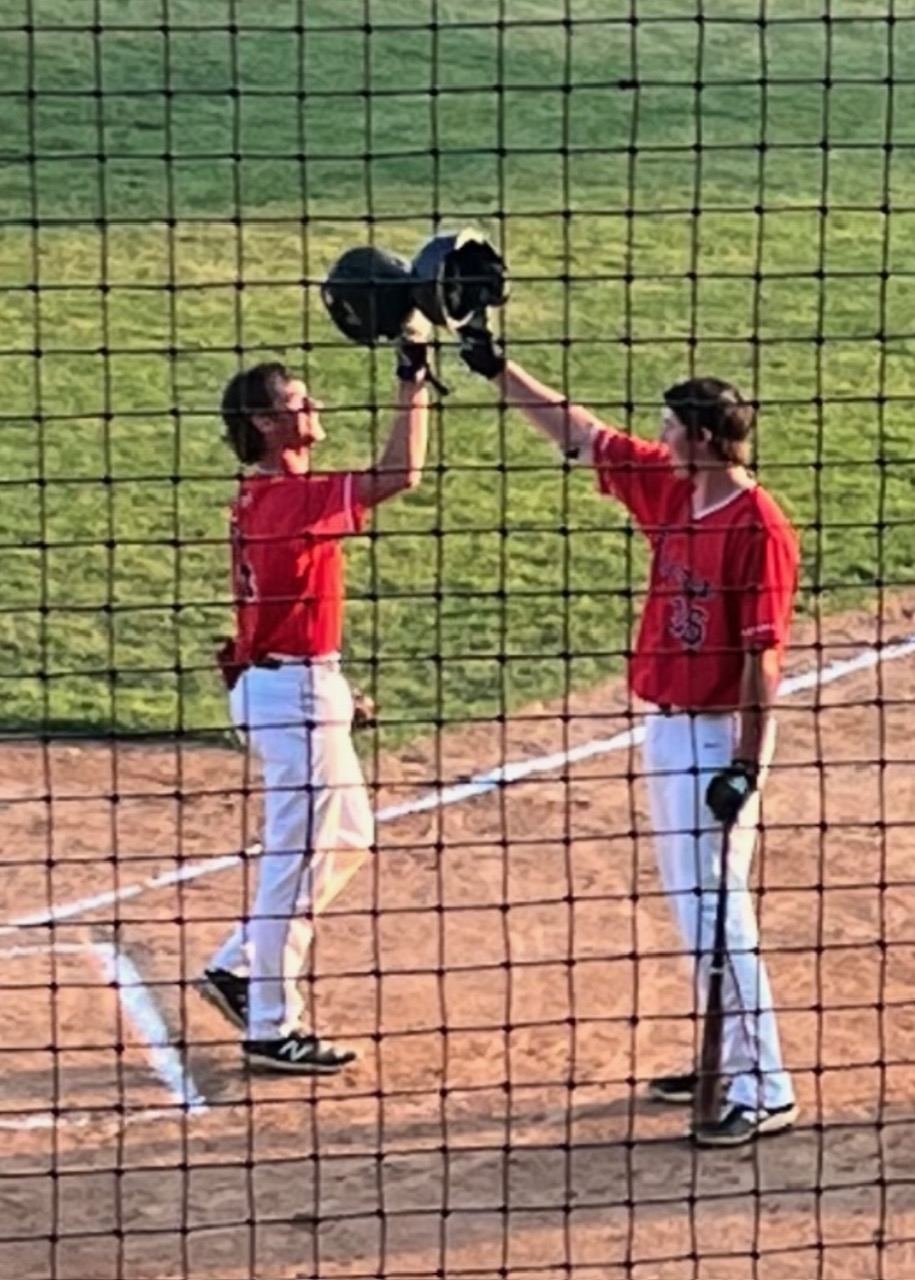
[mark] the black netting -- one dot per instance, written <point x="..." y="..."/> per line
<point x="679" y="187"/>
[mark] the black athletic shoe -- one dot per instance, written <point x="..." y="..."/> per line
<point x="227" y="993"/>
<point x="297" y="1054"/>
<point x="740" y="1125"/>
<point x="677" y="1091"/>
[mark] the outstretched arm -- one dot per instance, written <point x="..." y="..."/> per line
<point x="569" y="426"/>
<point x="634" y="471"/>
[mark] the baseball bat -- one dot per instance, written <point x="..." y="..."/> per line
<point x="708" y="1102"/>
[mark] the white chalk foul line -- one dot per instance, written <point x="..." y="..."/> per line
<point x="140" y="1007"/>
<point x="39" y="1120"/>
<point x="442" y="797"/>
<point x="85" y="906"/>
<point x="43" y="949"/>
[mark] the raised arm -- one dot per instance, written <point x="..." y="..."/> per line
<point x="399" y="467"/>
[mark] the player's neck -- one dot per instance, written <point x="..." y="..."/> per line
<point x="714" y="485"/>
<point x="288" y="462"/>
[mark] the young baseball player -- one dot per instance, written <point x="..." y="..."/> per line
<point x="706" y="666"/>
<point x="288" y="697"/>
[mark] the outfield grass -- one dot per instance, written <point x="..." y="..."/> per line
<point x="792" y="281"/>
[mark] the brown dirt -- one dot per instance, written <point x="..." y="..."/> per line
<point x="515" y="956"/>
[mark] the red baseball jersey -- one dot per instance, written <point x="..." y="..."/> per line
<point x="287" y="563"/>
<point x="721" y="584"/>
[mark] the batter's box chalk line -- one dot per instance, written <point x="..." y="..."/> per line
<point x="140" y="1009"/>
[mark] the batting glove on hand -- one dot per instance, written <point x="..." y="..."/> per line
<point x="413" y="353"/>
<point x="479" y="351"/>
<point x="729" y="791"/>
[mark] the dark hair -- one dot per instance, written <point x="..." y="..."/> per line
<point x="252" y="392"/>
<point x="718" y="408"/>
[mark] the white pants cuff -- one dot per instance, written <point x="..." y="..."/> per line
<point x="771" y="1092"/>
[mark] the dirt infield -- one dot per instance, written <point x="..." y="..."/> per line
<point x="506" y="970"/>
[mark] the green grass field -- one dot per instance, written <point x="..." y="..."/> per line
<point x="121" y="309"/>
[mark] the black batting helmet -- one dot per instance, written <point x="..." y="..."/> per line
<point x="368" y="294"/>
<point x="457" y="275"/>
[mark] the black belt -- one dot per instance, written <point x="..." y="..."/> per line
<point x="269" y="663"/>
<point x="667" y="710"/>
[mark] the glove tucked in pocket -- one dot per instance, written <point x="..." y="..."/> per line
<point x="365" y="712"/>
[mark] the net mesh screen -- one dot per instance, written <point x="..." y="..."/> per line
<point x="679" y="187"/>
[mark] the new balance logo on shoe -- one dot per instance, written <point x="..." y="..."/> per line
<point x="297" y="1054"/>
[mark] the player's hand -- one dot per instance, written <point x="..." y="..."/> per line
<point x="413" y="353"/>
<point x="365" y="712"/>
<point x="730" y="789"/>
<point x="412" y="361"/>
<point x="479" y="351"/>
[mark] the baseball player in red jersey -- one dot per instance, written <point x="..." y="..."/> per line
<point x="288" y="697"/>
<point x="707" y="667"/>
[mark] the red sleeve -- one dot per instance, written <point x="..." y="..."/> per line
<point x="636" y="472"/>
<point x="769" y="576"/>
<point x="331" y="505"/>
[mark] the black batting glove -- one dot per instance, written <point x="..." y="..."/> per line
<point x="412" y="361"/>
<point x="479" y="350"/>
<point x="730" y="789"/>
<point x="413" y="354"/>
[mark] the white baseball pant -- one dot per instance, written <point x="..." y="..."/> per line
<point x="681" y="753"/>
<point x="318" y="828"/>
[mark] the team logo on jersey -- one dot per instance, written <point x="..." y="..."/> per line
<point x="689" y="616"/>
<point x="688" y="622"/>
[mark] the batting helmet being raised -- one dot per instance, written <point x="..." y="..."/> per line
<point x="457" y="275"/>
<point x="368" y="294"/>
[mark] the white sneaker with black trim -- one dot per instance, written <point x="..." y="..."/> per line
<point x="298" y="1053"/>
<point x="740" y="1125"/>
<point x="674" y="1090"/>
